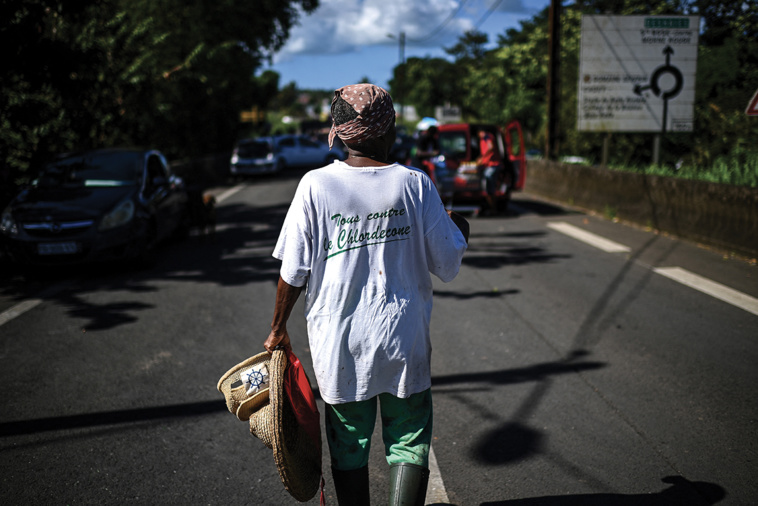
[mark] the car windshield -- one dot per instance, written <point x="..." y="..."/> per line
<point x="256" y="149"/>
<point x="103" y="169"/>
<point x="453" y="144"/>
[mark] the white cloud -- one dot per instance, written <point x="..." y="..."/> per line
<point x="343" y="26"/>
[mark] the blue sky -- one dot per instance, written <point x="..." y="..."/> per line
<point x="345" y="40"/>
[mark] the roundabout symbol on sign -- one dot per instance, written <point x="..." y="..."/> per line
<point x="655" y="87"/>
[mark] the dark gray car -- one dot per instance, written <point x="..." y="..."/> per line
<point x="93" y="206"/>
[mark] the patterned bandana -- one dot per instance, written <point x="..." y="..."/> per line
<point x="376" y="114"/>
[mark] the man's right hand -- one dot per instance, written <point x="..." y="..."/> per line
<point x="275" y="339"/>
<point x="460" y="222"/>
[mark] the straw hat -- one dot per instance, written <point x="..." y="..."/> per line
<point x="272" y="420"/>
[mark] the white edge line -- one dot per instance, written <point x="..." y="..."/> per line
<point x="18" y="310"/>
<point x="435" y="490"/>
<point x="228" y="193"/>
<point x="588" y="237"/>
<point x="712" y="288"/>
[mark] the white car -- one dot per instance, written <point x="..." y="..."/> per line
<point x="274" y="154"/>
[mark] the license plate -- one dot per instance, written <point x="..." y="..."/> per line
<point x="468" y="168"/>
<point x="57" y="248"/>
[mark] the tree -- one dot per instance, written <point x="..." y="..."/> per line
<point x="166" y="74"/>
<point x="428" y="83"/>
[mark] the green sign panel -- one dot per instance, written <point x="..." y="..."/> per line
<point x="659" y="22"/>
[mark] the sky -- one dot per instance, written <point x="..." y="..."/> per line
<point x="344" y="41"/>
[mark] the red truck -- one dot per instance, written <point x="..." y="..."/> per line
<point x="455" y="171"/>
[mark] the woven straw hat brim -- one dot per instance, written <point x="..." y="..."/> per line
<point x="237" y="401"/>
<point x="297" y="456"/>
<point x="272" y="420"/>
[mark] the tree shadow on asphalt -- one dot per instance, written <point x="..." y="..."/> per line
<point x="116" y="417"/>
<point x="238" y="253"/>
<point x="681" y="491"/>
<point x="542" y="208"/>
<point x="125" y="416"/>
<point x="492" y="294"/>
<point x="493" y="250"/>
<point x="528" y="374"/>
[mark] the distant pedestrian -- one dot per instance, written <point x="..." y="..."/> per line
<point x="363" y="237"/>
<point x="490" y="166"/>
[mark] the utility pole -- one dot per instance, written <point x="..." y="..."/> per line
<point x="401" y="75"/>
<point x="554" y="26"/>
<point x="399" y="98"/>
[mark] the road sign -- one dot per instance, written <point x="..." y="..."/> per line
<point x="253" y="116"/>
<point x="752" y="108"/>
<point x="637" y="73"/>
<point x="448" y="114"/>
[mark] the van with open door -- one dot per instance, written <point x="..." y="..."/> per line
<point x="455" y="170"/>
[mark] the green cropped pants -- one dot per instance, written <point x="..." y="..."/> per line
<point x="406" y="430"/>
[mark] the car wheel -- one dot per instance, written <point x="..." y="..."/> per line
<point x="281" y="164"/>
<point x="145" y="258"/>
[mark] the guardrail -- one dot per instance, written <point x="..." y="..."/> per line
<point x="718" y="215"/>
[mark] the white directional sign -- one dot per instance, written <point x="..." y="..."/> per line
<point x="637" y="73"/>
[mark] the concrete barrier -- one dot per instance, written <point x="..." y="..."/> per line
<point x="718" y="215"/>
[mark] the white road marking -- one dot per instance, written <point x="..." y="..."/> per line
<point x="587" y="237"/>
<point x="228" y="193"/>
<point x="18" y="310"/>
<point x="435" y="490"/>
<point x="712" y="288"/>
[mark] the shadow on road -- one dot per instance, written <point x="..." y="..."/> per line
<point x="238" y="253"/>
<point x="492" y="294"/>
<point x="122" y="416"/>
<point x="681" y="491"/>
<point x="537" y="372"/>
<point x="526" y="204"/>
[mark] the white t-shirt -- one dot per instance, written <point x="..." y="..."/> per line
<point x="365" y="241"/>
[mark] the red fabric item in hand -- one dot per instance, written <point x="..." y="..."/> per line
<point x="299" y="391"/>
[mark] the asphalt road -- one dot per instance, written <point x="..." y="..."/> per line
<point x="563" y="374"/>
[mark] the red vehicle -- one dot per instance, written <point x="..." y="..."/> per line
<point x="455" y="171"/>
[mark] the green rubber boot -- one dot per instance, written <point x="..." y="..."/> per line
<point x="408" y="484"/>
<point x="352" y="487"/>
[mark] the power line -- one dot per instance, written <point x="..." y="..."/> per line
<point x="487" y="14"/>
<point x="442" y="25"/>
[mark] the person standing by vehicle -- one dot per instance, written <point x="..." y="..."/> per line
<point x="490" y="166"/>
<point x="363" y="237"/>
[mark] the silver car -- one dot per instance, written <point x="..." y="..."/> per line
<point x="274" y="154"/>
<point x="254" y="156"/>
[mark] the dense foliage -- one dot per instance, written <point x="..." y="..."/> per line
<point x="171" y="74"/>
<point x="175" y="75"/>
<point x="509" y="82"/>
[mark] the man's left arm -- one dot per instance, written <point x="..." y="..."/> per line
<point x="286" y="296"/>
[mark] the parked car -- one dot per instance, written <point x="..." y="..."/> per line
<point x="95" y="206"/>
<point x="274" y="154"/>
<point x="455" y="171"/>
<point x="254" y="156"/>
<point x="302" y="151"/>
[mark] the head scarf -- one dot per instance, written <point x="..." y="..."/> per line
<point x="375" y="113"/>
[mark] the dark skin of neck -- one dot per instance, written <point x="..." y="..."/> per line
<point x="356" y="158"/>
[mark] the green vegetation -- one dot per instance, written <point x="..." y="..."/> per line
<point x="177" y="75"/>
<point x="172" y="74"/>
<point x="509" y="81"/>
<point x="739" y="167"/>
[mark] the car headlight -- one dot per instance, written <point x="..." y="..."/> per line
<point x="121" y="215"/>
<point x="8" y="225"/>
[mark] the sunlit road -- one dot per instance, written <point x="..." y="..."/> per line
<point x="576" y="362"/>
